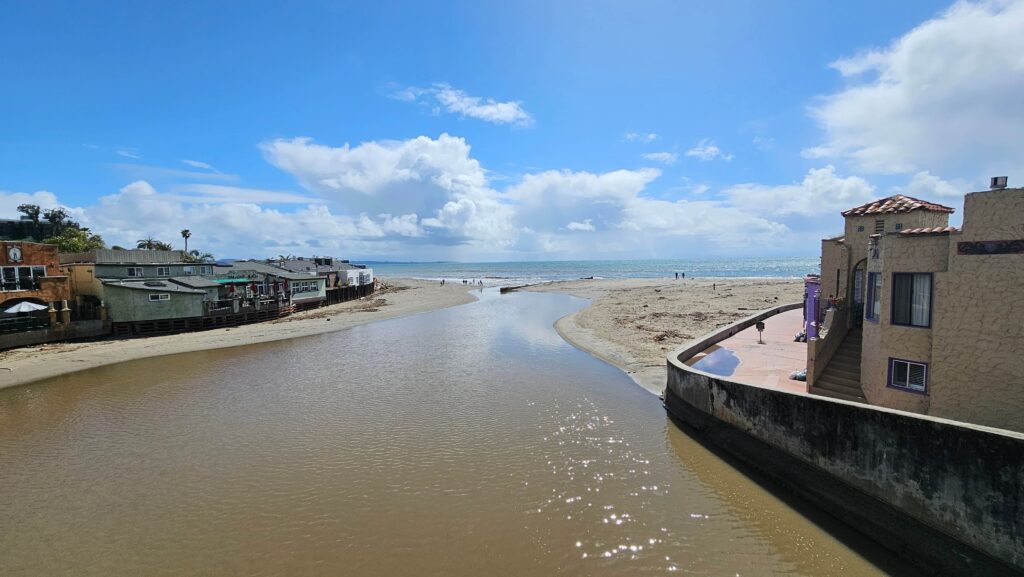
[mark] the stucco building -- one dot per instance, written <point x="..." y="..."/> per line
<point x="140" y="291"/>
<point x="920" y="316"/>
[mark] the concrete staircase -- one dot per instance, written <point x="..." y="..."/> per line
<point x="841" y="379"/>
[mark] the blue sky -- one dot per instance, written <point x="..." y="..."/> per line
<point x="502" y="131"/>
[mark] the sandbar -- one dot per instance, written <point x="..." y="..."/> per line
<point x="633" y="323"/>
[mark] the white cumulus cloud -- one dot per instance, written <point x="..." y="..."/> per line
<point x="435" y="179"/>
<point x="926" y="185"/>
<point x="946" y="94"/>
<point x="821" y="192"/>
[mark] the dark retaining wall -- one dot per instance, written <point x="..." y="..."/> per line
<point x="72" y="331"/>
<point x="944" y="494"/>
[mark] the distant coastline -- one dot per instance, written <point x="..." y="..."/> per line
<point x="534" y="272"/>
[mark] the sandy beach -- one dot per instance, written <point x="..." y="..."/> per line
<point x="401" y="297"/>
<point x="634" y="323"/>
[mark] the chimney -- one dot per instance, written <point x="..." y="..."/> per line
<point x="998" y="183"/>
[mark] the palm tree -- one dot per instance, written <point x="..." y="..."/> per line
<point x="186" y="234"/>
<point x="158" y="245"/>
<point x="148" y="243"/>
<point x="196" y="256"/>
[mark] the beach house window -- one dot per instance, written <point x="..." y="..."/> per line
<point x="912" y="299"/>
<point x="908" y="375"/>
<point x="135" y="271"/>
<point x="189" y="270"/>
<point x="874" y="300"/>
<point x="879" y="226"/>
<point x="163" y="271"/>
<point x="206" y="269"/>
<point x="160" y="297"/>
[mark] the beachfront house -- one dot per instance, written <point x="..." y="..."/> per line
<point x="916" y="315"/>
<point x="30" y="273"/>
<point x="36" y="300"/>
<point x="139" y="291"/>
<point x="345" y="281"/>
<point x="257" y="279"/>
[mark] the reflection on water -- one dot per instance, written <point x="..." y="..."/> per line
<point x="469" y="441"/>
<point x="720" y="361"/>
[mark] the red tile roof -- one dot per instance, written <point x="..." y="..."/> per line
<point x="896" y="203"/>
<point x="932" y="230"/>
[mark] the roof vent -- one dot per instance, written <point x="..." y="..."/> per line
<point x="997" y="183"/>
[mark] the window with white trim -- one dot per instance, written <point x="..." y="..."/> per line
<point x="134" y="271"/>
<point x="160" y="297"/>
<point x="908" y="375"/>
<point x="163" y="271"/>
<point x="189" y="270"/>
<point x="205" y="269"/>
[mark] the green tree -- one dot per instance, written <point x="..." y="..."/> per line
<point x="76" y="239"/>
<point x="186" y="234"/>
<point x="158" y="245"/>
<point x="33" y="212"/>
<point x="58" y="219"/>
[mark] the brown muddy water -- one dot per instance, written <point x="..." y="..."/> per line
<point x="470" y="441"/>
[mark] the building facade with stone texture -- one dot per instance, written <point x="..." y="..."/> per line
<point x="30" y="271"/>
<point x="934" y="320"/>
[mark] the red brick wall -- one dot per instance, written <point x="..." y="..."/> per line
<point x="32" y="253"/>
<point x="53" y="288"/>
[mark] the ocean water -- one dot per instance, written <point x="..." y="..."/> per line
<point x="509" y="273"/>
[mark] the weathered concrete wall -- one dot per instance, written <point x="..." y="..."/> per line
<point x="945" y="494"/>
<point x="978" y="324"/>
<point x="83" y="280"/>
<point x="76" y="330"/>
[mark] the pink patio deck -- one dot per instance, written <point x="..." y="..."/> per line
<point x="769" y="364"/>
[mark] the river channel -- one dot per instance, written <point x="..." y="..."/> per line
<point x="469" y="441"/>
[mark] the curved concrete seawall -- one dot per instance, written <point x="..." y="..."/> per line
<point x="944" y="494"/>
